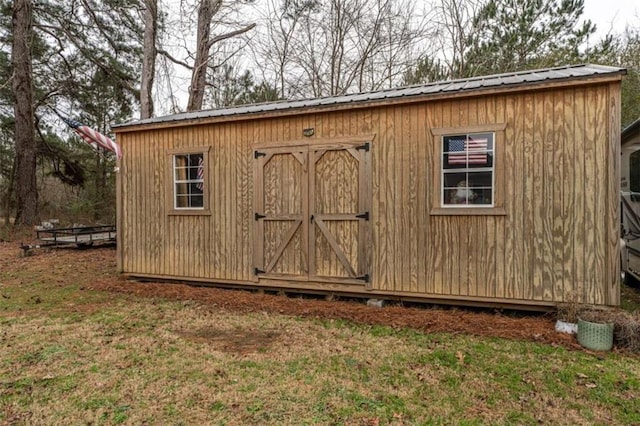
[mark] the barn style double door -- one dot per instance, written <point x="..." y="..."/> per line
<point x="312" y="212"/>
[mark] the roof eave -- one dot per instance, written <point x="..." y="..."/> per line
<point x="630" y="131"/>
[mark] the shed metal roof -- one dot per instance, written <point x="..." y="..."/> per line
<point x="505" y="80"/>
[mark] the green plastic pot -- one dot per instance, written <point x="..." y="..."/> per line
<point x="595" y="336"/>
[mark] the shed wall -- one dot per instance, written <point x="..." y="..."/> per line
<point x="558" y="174"/>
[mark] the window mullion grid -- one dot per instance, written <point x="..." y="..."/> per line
<point x="467" y="170"/>
<point x="188" y="182"/>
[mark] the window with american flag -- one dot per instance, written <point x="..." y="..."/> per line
<point x="467" y="172"/>
<point x="188" y="181"/>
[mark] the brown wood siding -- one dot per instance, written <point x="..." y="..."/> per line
<point x="556" y="169"/>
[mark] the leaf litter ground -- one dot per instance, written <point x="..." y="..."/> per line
<point x="97" y="269"/>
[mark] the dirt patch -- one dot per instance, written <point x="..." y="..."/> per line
<point x="97" y="267"/>
<point x="239" y="342"/>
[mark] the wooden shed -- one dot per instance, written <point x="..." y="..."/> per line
<point x="496" y="190"/>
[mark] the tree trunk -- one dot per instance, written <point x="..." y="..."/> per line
<point x="8" y="205"/>
<point x="206" y="12"/>
<point x="149" y="58"/>
<point x="25" y="170"/>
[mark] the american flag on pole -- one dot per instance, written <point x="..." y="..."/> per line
<point x="468" y="151"/>
<point x="93" y="137"/>
<point x="200" y="174"/>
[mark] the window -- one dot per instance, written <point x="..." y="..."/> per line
<point x="468" y="165"/>
<point x="467" y="170"/>
<point x="188" y="192"/>
<point x="634" y="175"/>
<point x="188" y="181"/>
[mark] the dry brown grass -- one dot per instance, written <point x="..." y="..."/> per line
<point x="135" y="362"/>
<point x="75" y="355"/>
<point x="627" y="330"/>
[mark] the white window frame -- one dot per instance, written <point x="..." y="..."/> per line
<point x="467" y="170"/>
<point x="188" y="182"/>
<point x="437" y="206"/>
<point x="173" y="180"/>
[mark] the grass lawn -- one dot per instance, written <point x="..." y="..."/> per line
<point x="70" y="355"/>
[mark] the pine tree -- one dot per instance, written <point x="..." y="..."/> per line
<point x="525" y="34"/>
<point x="22" y="80"/>
<point x="76" y="55"/>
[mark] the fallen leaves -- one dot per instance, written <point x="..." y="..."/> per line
<point x="95" y="269"/>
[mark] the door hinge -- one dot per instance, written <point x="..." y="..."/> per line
<point x="364" y="216"/>
<point x="364" y="278"/>
<point x="257" y="271"/>
<point x="259" y="216"/>
<point x="257" y="154"/>
<point x="365" y="146"/>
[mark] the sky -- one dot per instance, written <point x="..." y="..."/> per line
<point x="612" y="14"/>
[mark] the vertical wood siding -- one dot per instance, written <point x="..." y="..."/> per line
<point x="558" y="171"/>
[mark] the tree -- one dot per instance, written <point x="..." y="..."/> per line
<point x="80" y="36"/>
<point x="513" y="35"/>
<point x="100" y="103"/>
<point x="7" y="117"/>
<point x="630" y="59"/>
<point x="275" y="47"/>
<point x="456" y="31"/>
<point x="25" y="148"/>
<point x="231" y="87"/>
<point x="425" y="71"/>
<point x="204" y="42"/>
<point x="70" y="42"/>
<point x="150" y="52"/>
<point x="7" y="164"/>
<point x="320" y="48"/>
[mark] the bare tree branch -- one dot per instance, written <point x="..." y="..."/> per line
<point x="174" y="60"/>
<point x="226" y="36"/>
